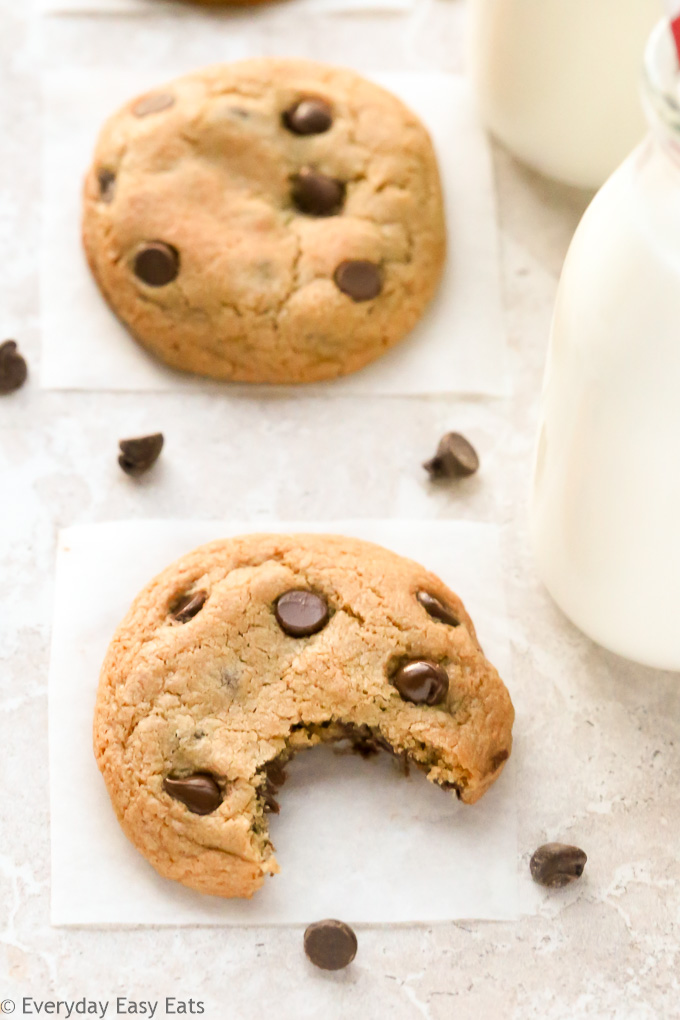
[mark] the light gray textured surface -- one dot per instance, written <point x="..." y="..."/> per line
<point x="599" y="736"/>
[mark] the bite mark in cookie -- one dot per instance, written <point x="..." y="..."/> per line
<point x="246" y="652"/>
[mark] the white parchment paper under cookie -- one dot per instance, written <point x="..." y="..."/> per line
<point x="355" y="839"/>
<point x="459" y="347"/>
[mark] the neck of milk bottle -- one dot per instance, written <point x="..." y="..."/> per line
<point x="661" y="91"/>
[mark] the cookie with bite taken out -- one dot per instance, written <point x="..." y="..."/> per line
<point x="249" y="650"/>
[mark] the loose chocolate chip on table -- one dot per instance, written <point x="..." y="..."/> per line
<point x="422" y="682"/>
<point x="436" y="609"/>
<point x="199" y="793"/>
<point x="557" y="864"/>
<point x="153" y="104"/>
<point x="455" y="458"/>
<point x="189" y="606"/>
<point x="359" y="279"/>
<point x="138" y="455"/>
<point x="156" y="264"/>
<point x="317" y="194"/>
<point x="330" y="944"/>
<point x="308" y="117"/>
<point x="300" y="613"/>
<point x="107" y="180"/>
<point x="13" y="369"/>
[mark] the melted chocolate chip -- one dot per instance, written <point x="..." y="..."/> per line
<point x="189" y="606"/>
<point x="107" y="181"/>
<point x="300" y="613"/>
<point x="274" y="777"/>
<point x="330" y="944"/>
<point x="556" y="865"/>
<point x="153" y="103"/>
<point x="358" y="279"/>
<point x="316" y="194"/>
<point x="308" y="117"/>
<point x="13" y="368"/>
<point x="156" y="264"/>
<point x="199" y="793"/>
<point x="455" y="458"/>
<point x="436" y="609"/>
<point x="498" y="760"/>
<point x="422" y="682"/>
<point x="138" y="455"/>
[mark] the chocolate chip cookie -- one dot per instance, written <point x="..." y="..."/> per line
<point x="269" y="221"/>
<point x="249" y="650"/>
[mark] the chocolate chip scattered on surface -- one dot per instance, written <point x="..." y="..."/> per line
<point x="139" y="455"/>
<point x="330" y="944"/>
<point x="456" y="457"/>
<point x="555" y="865"/>
<point x="13" y="367"/>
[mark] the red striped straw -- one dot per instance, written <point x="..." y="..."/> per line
<point x="674" y="11"/>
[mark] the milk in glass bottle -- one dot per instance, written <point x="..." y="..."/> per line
<point x="606" y="497"/>
<point x="557" y="80"/>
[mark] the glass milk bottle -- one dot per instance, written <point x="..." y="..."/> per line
<point x="606" y="497"/>
<point x="557" y="80"/>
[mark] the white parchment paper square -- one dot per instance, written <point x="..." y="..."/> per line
<point x="354" y="839"/>
<point x="458" y="347"/>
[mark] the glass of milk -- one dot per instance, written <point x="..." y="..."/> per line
<point x="606" y="496"/>
<point x="558" y="80"/>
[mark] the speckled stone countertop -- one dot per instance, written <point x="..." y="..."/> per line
<point x="598" y="736"/>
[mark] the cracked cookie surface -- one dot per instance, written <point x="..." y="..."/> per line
<point x="249" y="650"/>
<point x="272" y="221"/>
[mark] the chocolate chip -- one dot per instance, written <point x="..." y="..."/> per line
<point x="138" y="455"/>
<point x="556" y="865"/>
<point x="308" y="117"/>
<point x="359" y="279"/>
<point x="455" y="458"/>
<point x="274" y="777"/>
<point x="422" y="682"/>
<point x="13" y="368"/>
<point x="330" y="944"/>
<point x="153" y="104"/>
<point x="301" y="613"/>
<point x="107" y="181"/>
<point x="199" y="793"/>
<point x="189" y="606"/>
<point x="436" y="609"/>
<point x="317" y="194"/>
<point x="156" y="264"/>
<point x="498" y="760"/>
